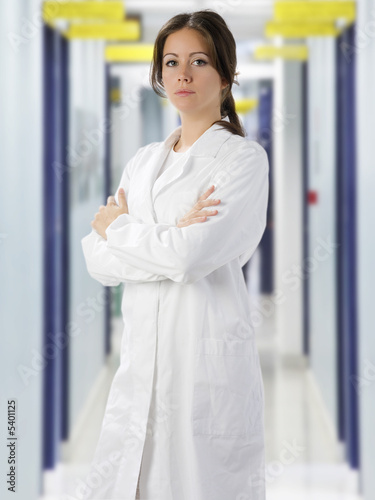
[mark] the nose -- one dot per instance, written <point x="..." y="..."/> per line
<point x="183" y="74"/>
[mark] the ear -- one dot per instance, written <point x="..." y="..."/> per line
<point x="224" y="83"/>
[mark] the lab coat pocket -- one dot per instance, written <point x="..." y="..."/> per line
<point x="228" y="391"/>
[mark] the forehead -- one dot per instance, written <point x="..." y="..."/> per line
<point x="185" y="41"/>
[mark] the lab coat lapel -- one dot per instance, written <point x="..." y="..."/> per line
<point x="150" y="171"/>
<point x="165" y="147"/>
<point x="207" y="145"/>
<point x="170" y="175"/>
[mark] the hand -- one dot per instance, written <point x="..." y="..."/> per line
<point x="107" y="214"/>
<point x="197" y="214"/>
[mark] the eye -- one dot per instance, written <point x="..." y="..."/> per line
<point x="197" y="60"/>
<point x="200" y="60"/>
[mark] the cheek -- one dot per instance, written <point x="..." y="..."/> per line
<point x="167" y="74"/>
<point x="167" y="81"/>
<point x="210" y="81"/>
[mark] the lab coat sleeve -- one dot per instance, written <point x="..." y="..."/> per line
<point x="101" y="264"/>
<point x="108" y="269"/>
<point x="188" y="254"/>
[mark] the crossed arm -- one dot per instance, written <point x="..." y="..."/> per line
<point x="137" y="252"/>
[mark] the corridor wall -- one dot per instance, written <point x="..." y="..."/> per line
<point x="21" y="242"/>
<point x="85" y="160"/>
<point x="364" y="48"/>
<point x="322" y="221"/>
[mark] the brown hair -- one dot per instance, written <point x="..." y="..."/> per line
<point x="222" y="49"/>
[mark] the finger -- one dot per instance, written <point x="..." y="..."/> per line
<point x="198" y="214"/>
<point x="191" y="221"/>
<point x="197" y="219"/>
<point x="201" y="213"/>
<point x="111" y="200"/>
<point x="207" y="193"/>
<point x="207" y="212"/>
<point x="207" y="203"/>
<point x="122" y="198"/>
<point x="186" y="222"/>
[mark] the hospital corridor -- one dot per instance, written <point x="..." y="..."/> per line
<point x="76" y="106"/>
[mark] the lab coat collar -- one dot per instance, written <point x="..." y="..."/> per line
<point x="204" y="145"/>
<point x="207" y="145"/>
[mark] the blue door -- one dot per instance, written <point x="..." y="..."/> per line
<point x="346" y="237"/>
<point x="56" y="244"/>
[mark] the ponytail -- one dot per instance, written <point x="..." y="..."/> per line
<point x="228" y="109"/>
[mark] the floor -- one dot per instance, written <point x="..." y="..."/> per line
<point x="304" y="461"/>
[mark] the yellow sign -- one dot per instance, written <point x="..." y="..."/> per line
<point x="70" y="11"/>
<point x="311" y="10"/>
<point x="129" y="53"/>
<point x="245" y="105"/>
<point x="288" y="52"/>
<point x="301" y="30"/>
<point x="127" y="30"/>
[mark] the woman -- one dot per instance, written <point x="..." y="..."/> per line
<point x="184" y="417"/>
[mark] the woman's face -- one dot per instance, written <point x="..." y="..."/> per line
<point x="194" y="72"/>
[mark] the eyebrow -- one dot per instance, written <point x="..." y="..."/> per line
<point x="191" y="53"/>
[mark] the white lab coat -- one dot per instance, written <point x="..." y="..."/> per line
<point x="186" y="405"/>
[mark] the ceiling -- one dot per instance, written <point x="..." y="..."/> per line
<point x="245" y="18"/>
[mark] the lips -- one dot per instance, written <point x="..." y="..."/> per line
<point x="184" y="92"/>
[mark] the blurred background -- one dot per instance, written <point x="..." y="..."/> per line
<point x="75" y="105"/>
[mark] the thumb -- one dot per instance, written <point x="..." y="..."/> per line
<point x="122" y="198"/>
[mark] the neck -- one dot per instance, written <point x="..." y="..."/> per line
<point x="192" y="129"/>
